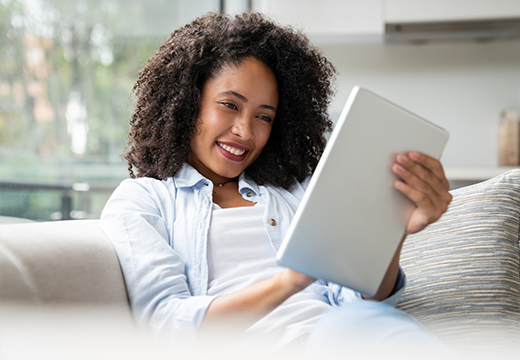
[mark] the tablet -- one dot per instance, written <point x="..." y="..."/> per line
<point x="351" y="219"/>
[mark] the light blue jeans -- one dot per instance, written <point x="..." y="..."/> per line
<point x="374" y="329"/>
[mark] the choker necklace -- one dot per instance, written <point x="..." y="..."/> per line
<point x="224" y="183"/>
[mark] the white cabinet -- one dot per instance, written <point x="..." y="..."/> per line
<point x="348" y="21"/>
<point x="328" y="19"/>
<point x="416" y="11"/>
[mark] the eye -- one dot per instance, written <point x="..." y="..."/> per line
<point x="266" y="118"/>
<point x="230" y="105"/>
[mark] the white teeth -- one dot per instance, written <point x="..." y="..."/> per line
<point x="232" y="150"/>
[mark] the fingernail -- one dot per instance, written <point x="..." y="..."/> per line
<point x="399" y="168"/>
<point x="414" y="155"/>
<point x="404" y="158"/>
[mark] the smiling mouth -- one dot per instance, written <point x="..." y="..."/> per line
<point x="231" y="150"/>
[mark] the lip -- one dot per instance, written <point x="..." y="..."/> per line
<point x="230" y="156"/>
<point x="237" y="146"/>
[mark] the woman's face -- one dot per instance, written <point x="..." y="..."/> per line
<point x="238" y="108"/>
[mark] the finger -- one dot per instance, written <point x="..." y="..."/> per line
<point x="416" y="190"/>
<point x="420" y="178"/>
<point x="424" y="214"/>
<point x="432" y="164"/>
<point x="420" y="192"/>
<point x="420" y="199"/>
<point x="425" y="175"/>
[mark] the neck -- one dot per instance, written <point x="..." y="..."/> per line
<point x="225" y="182"/>
<point x="216" y="179"/>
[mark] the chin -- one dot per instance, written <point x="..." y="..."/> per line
<point x="228" y="173"/>
<point x="231" y="175"/>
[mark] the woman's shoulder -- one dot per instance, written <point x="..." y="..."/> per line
<point x="297" y="189"/>
<point x="142" y="193"/>
<point x="162" y="193"/>
<point x="145" y="185"/>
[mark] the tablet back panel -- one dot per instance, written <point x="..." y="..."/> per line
<point x="351" y="219"/>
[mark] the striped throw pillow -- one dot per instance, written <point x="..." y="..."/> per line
<point x="463" y="271"/>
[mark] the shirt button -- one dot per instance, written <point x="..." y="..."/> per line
<point x="272" y="222"/>
<point x="250" y="194"/>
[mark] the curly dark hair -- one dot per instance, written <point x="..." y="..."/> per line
<point x="168" y="94"/>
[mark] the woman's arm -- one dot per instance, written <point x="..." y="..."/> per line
<point x="251" y="303"/>
<point x="388" y="283"/>
<point x="423" y="181"/>
<point x="136" y="219"/>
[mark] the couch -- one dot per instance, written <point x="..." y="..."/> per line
<point x="463" y="280"/>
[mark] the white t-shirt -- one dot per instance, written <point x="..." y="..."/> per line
<point x="240" y="254"/>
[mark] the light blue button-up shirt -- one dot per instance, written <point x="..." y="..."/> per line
<point x="159" y="229"/>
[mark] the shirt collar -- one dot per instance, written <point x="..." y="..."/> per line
<point x="188" y="176"/>
<point x="245" y="182"/>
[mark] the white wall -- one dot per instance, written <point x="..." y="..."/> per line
<point x="460" y="86"/>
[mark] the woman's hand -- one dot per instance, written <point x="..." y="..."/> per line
<point x="423" y="181"/>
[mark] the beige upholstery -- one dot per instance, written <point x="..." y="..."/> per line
<point x="59" y="262"/>
<point x="463" y="271"/>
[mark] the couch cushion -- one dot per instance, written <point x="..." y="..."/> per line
<point x="463" y="270"/>
<point x="59" y="262"/>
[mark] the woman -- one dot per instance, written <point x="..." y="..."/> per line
<point x="228" y="124"/>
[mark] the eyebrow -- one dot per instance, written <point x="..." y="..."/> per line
<point x="244" y="99"/>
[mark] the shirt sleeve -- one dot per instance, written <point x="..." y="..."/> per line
<point x="154" y="273"/>
<point x="397" y="291"/>
<point x="339" y="295"/>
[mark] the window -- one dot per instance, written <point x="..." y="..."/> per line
<point x="66" y="72"/>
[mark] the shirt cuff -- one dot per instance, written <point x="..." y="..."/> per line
<point x="397" y="291"/>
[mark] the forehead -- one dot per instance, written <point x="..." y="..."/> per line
<point x="250" y="75"/>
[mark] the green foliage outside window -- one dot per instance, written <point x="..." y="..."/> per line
<point x="66" y="73"/>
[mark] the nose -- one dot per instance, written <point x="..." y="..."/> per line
<point x="243" y="127"/>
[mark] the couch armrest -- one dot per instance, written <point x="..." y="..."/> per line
<point x="59" y="262"/>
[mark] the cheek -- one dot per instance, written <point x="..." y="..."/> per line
<point x="197" y="136"/>
<point x="263" y="137"/>
<point x="200" y="141"/>
<point x="213" y="124"/>
<point x="212" y="116"/>
<point x="206" y="126"/>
